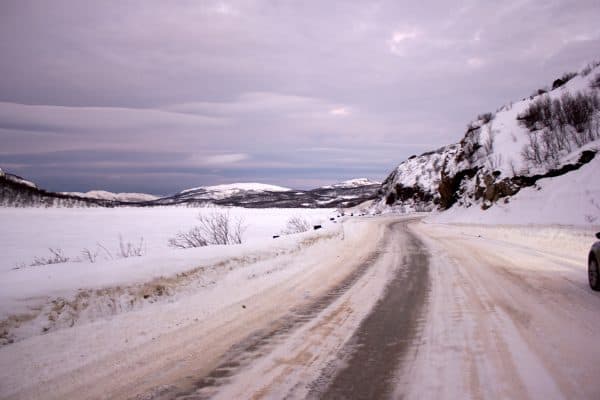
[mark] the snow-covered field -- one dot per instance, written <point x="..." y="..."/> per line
<point x="28" y="233"/>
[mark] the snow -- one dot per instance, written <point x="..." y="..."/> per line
<point x="268" y="284"/>
<point x="73" y="230"/>
<point x="352" y="183"/>
<point x="492" y="152"/>
<point x="104" y="195"/>
<point x="571" y="199"/>
<point x="511" y="315"/>
<point x="510" y="137"/>
<point x="234" y="188"/>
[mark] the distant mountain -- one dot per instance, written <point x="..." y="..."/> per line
<point x="549" y="134"/>
<point x="219" y="192"/>
<point x="352" y="183"/>
<point x="258" y="195"/>
<point x="121" y="197"/>
<point x="17" y="192"/>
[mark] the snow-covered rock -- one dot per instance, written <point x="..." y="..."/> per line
<point x="496" y="157"/>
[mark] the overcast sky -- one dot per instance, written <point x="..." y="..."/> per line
<point x="158" y="96"/>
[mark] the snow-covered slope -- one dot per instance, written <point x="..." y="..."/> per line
<point x="572" y="199"/>
<point x="125" y="197"/>
<point x="551" y="134"/>
<point x="16" y="179"/>
<point x="352" y="183"/>
<point x="228" y="190"/>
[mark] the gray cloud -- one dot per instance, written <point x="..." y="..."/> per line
<point x="163" y="95"/>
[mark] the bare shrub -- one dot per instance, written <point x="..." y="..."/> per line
<point x="539" y="92"/>
<point x="185" y="240"/>
<point x="532" y="153"/>
<point x="57" y="257"/>
<point x="215" y="228"/>
<point x="129" y="249"/>
<point x="557" y="126"/>
<point x="109" y="256"/>
<point x="588" y="68"/>
<point x="485" y="117"/>
<point x="90" y="255"/>
<point x="296" y="224"/>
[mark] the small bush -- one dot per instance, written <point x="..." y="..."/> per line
<point x="90" y="255"/>
<point x="485" y="117"/>
<point x="129" y="249"/>
<point x="557" y="126"/>
<point x="57" y="257"/>
<point x="563" y="79"/>
<point x="588" y="68"/>
<point x="192" y="238"/>
<point x="215" y="228"/>
<point x="539" y="92"/>
<point x="296" y="224"/>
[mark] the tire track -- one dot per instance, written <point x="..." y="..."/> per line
<point x="261" y="342"/>
<point x="376" y="349"/>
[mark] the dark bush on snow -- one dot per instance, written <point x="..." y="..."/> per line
<point x="485" y="117"/>
<point x="563" y="79"/>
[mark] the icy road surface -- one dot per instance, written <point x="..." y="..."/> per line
<point x="399" y="308"/>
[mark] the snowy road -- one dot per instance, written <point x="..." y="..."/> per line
<point x="400" y="308"/>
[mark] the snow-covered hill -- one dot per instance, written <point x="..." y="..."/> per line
<point x="16" y="192"/>
<point x="229" y="190"/>
<point x="572" y="199"/>
<point x="124" y="197"/>
<point x="16" y="179"/>
<point x="552" y="134"/>
<point x="352" y="183"/>
<point x="259" y="195"/>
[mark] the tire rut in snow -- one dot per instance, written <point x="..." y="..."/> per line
<point x="374" y="354"/>
<point x="260" y="342"/>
